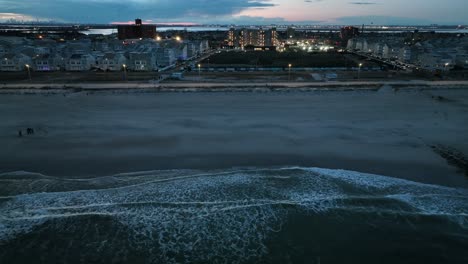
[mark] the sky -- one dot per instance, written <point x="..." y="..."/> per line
<point x="378" y="12"/>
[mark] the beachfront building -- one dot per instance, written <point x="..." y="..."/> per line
<point x="111" y="61"/>
<point x="165" y="57"/>
<point x="4" y="49"/>
<point x="192" y="50"/>
<point x="179" y="49"/>
<point x="47" y="62"/>
<point x="390" y="52"/>
<point x="202" y="45"/>
<point x="103" y="54"/>
<point x="76" y="47"/>
<point x="462" y="60"/>
<point x="405" y="54"/>
<point x="378" y="49"/>
<point x="362" y="45"/>
<point x="141" y="61"/>
<point x="80" y="62"/>
<point x="436" y="61"/>
<point x="11" y="62"/>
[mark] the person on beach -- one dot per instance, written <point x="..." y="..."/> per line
<point x="20" y="133"/>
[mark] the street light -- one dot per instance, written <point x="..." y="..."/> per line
<point x="359" y="71"/>
<point x="125" y="71"/>
<point x="446" y="65"/>
<point x="199" y="68"/>
<point x="289" y="71"/>
<point x="29" y="71"/>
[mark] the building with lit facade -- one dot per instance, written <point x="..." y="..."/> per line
<point x="258" y="37"/>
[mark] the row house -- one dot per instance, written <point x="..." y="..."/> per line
<point x="47" y="62"/>
<point x="436" y="60"/>
<point x="80" y="62"/>
<point x="192" y="50"/>
<point x="165" y="57"/>
<point x="462" y="60"/>
<point x="111" y="62"/>
<point x="181" y="52"/>
<point x="78" y="47"/>
<point x="4" y="49"/>
<point x="141" y="61"/>
<point x="14" y="62"/>
<point x="405" y="54"/>
<point x="202" y="45"/>
<point x="358" y="44"/>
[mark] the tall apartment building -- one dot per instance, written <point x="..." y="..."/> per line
<point x="258" y="37"/>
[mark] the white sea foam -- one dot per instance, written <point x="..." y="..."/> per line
<point x="180" y="210"/>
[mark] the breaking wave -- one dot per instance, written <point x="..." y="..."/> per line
<point x="206" y="215"/>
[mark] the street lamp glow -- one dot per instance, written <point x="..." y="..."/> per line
<point x="178" y="38"/>
<point x="359" y="71"/>
<point x="29" y="71"/>
<point x="125" y="71"/>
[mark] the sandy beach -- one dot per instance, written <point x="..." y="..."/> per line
<point x="383" y="131"/>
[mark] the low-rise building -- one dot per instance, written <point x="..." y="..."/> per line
<point x="165" y="57"/>
<point x="47" y="62"/>
<point x="80" y="62"/>
<point x="141" y="61"/>
<point x="14" y="62"/>
<point x="111" y="62"/>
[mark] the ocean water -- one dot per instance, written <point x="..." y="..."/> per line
<point x="110" y="31"/>
<point x="240" y="215"/>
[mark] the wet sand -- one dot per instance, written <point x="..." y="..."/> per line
<point x="388" y="132"/>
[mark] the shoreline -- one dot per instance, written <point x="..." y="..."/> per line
<point x="177" y="87"/>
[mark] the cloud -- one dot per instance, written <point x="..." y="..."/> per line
<point x="104" y="11"/>
<point x="4" y="17"/>
<point x="257" y="20"/>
